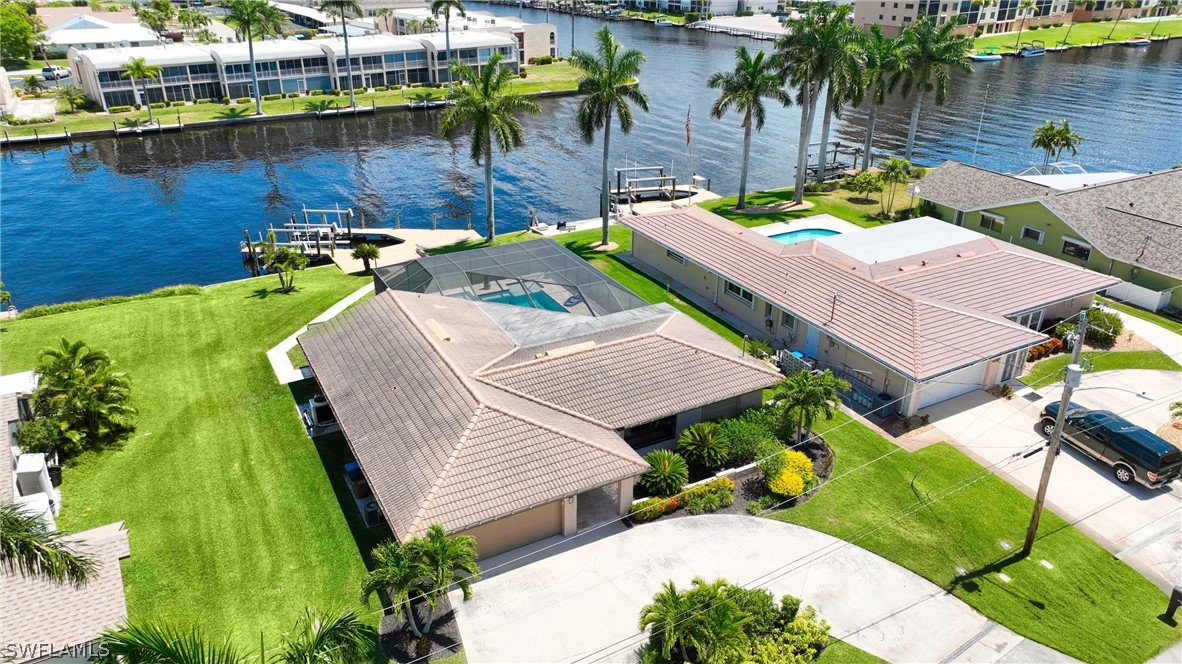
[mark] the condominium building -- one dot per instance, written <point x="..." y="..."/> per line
<point x="1002" y="16"/>
<point x="192" y="72"/>
<point x="534" y="40"/>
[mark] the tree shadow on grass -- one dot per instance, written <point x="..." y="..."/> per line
<point x="235" y="114"/>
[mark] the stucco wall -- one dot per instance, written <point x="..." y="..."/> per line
<point x="517" y="530"/>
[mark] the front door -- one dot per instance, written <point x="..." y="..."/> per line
<point x="1014" y="364"/>
<point x="810" y="342"/>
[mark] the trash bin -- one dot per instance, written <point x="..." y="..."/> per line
<point x="883" y="405"/>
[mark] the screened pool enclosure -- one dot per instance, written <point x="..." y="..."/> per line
<point x="541" y="274"/>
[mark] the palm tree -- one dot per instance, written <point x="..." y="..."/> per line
<point x="324" y="637"/>
<point x="981" y="5"/>
<point x="1123" y="5"/>
<point x="928" y="52"/>
<point x="365" y="253"/>
<point x="446" y="561"/>
<point x="78" y="387"/>
<point x="1067" y="140"/>
<point x="414" y="26"/>
<point x="881" y="55"/>
<point x="254" y="18"/>
<point x="191" y="19"/>
<point x="744" y="89"/>
<point x="1046" y="138"/>
<point x="139" y="69"/>
<point x="340" y="7"/>
<point x="284" y="261"/>
<point x="446" y="6"/>
<point x="805" y="396"/>
<point x="668" y="615"/>
<point x="385" y="13"/>
<point x="1169" y="6"/>
<point x="894" y="173"/>
<point x="1024" y="8"/>
<point x="28" y="547"/>
<point x="609" y="87"/>
<point x="431" y="25"/>
<point x="843" y="75"/>
<point x="401" y="573"/>
<point x="71" y="94"/>
<point x="487" y="103"/>
<point x="158" y="643"/>
<point x="802" y="64"/>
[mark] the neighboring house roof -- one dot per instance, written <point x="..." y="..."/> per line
<point x="39" y="612"/>
<point x="918" y="334"/>
<point x="1133" y="219"/>
<point x="461" y="412"/>
<point x="90" y="29"/>
<point x="55" y="16"/>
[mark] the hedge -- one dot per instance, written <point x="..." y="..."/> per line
<point x="203" y="101"/>
<point x="652" y="509"/>
<point x="40" y="119"/>
<point x="225" y="100"/>
<point x="272" y="97"/>
<point x="292" y="95"/>
<point x="243" y="100"/>
<point x="316" y="93"/>
<point x="158" y="104"/>
<point x="51" y="309"/>
<point x="119" y="109"/>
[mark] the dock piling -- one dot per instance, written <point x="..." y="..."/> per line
<point x="469" y="221"/>
<point x="397" y="220"/>
<point x="434" y="221"/>
<point x="38" y="135"/>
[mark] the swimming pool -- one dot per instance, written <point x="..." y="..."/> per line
<point x="518" y="298"/>
<point x="792" y="237"/>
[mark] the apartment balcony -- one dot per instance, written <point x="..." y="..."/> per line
<point x="309" y="71"/>
<point x="240" y="78"/>
<point x="113" y="85"/>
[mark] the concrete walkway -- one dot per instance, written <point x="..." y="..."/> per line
<point x="582" y="603"/>
<point x="281" y="364"/>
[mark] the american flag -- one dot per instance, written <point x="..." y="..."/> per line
<point x="687" y="125"/>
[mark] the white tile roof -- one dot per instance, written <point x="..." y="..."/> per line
<point x="270" y="49"/>
<point x="90" y="29"/>
<point x="369" y="45"/>
<point x="165" y="54"/>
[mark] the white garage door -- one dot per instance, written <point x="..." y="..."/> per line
<point x="952" y="385"/>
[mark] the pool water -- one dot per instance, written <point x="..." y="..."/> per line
<point x="518" y="298"/>
<point x="792" y="237"/>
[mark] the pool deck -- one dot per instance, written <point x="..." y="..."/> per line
<point x="825" y="222"/>
<point x="406" y="250"/>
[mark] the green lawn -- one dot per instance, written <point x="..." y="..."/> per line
<point x="234" y="514"/>
<point x="1155" y="318"/>
<point x="1090" y="606"/>
<point x="840" y="652"/>
<point x="539" y="78"/>
<point x="1050" y="370"/>
<point x="652" y="16"/>
<point x="841" y="203"/>
<point x="1081" y="33"/>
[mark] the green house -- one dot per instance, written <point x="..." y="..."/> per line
<point x="1123" y="225"/>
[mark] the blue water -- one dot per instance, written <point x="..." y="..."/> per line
<point x="540" y="300"/>
<point x="792" y="237"/>
<point x="106" y="217"/>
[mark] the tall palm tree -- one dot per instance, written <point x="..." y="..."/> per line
<point x="414" y="26"/>
<point x="431" y="25"/>
<point x="668" y="615"/>
<point x="982" y="5"/>
<point x="28" y="547"/>
<point x="881" y="63"/>
<point x="894" y="173"/>
<point x="841" y="40"/>
<point x="1046" y="138"/>
<point x="385" y="13"/>
<point x="445" y="7"/>
<point x="1067" y="139"/>
<point x="805" y="396"/>
<point x="400" y="572"/>
<point x="139" y="69"/>
<point x="1024" y="8"/>
<point x="744" y="89"/>
<point x="341" y="7"/>
<point x="609" y="87"/>
<point x="328" y="636"/>
<point x="447" y="561"/>
<point x="1169" y="6"/>
<point x="487" y="103"/>
<point x="1123" y="5"/>
<point x="158" y="643"/>
<point x="254" y="18"/>
<point x="928" y="52"/>
<point x="91" y="401"/>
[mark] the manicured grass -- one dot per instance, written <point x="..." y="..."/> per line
<point x="235" y="515"/>
<point x="841" y="203"/>
<point x="539" y="78"/>
<point x="1050" y="370"/>
<point x="652" y="16"/>
<point x="1155" y="318"/>
<point x="1090" y="606"/>
<point x="840" y="652"/>
<point x="1082" y="33"/>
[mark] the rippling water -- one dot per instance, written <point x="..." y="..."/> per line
<point x="111" y="217"/>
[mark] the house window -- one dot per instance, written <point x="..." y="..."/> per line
<point x="738" y="292"/>
<point x="1032" y="234"/>
<point x="1077" y="249"/>
<point x="673" y="255"/>
<point x="906" y="19"/>
<point x="787" y="320"/>
<point x="767" y="310"/>
<point x="880" y="17"/>
<point x="959" y="221"/>
<point x="992" y="222"/>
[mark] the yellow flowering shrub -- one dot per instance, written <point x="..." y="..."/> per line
<point x="788" y="483"/>
<point x="799" y="463"/>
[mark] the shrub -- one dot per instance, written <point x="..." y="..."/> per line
<point x="751" y="435"/>
<point x="118" y="109"/>
<point x="772" y="466"/>
<point x="801" y="640"/>
<point x="243" y="100"/>
<point x="316" y="93"/>
<point x="761" y="504"/>
<point x="759" y="349"/>
<point x="978" y="32"/>
<point x="272" y="97"/>
<point x="789" y="608"/>
<point x="798" y="462"/>
<point x="703" y="444"/>
<point x="203" y="101"/>
<point x="138" y="106"/>
<point x="668" y="475"/>
<point x="41" y="436"/>
<point x="225" y="100"/>
<point x="692" y="17"/>
<point x="706" y="502"/>
<point x="50" y="309"/>
<point x="159" y="104"/>
<point x="523" y="74"/>
<point x="760" y="607"/>
<point x="358" y="91"/>
<point x="787" y="484"/>
<point x="1033" y="27"/>
<point x="652" y="509"/>
<point x="40" y="119"/>
<point x="1103" y="327"/>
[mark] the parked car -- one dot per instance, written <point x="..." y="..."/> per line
<point x="55" y="73"/>
<point x="1134" y="454"/>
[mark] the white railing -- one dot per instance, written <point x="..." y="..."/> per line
<point x="108" y="85"/>
<point x="315" y="70"/>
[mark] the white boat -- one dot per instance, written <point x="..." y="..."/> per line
<point x="663" y="22"/>
<point x="1136" y="41"/>
<point x="988" y="54"/>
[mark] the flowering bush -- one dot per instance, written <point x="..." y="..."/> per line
<point x="787" y="484"/>
<point x="798" y="463"/>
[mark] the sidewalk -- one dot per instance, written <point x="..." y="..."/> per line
<point x="281" y="363"/>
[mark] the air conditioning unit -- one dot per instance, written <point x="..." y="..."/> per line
<point x="320" y="411"/>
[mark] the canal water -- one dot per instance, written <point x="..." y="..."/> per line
<point x="124" y="216"/>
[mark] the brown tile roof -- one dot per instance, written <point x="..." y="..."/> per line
<point x="920" y="336"/>
<point x="454" y="421"/>
<point x="37" y="611"/>
<point x="55" y="16"/>
<point x="1134" y="219"/>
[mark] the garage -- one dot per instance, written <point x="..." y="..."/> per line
<point x="951" y="385"/>
<point x="511" y="532"/>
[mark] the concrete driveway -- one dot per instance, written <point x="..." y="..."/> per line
<point x="582" y="603"/>
<point x="1139" y="525"/>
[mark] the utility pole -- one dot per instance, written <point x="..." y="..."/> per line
<point x="1074" y="372"/>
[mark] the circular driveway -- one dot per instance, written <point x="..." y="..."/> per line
<point x="582" y="603"/>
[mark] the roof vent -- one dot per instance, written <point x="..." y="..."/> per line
<point x="908" y="268"/>
<point x="567" y="350"/>
<point x="437" y="329"/>
<point x="966" y="254"/>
